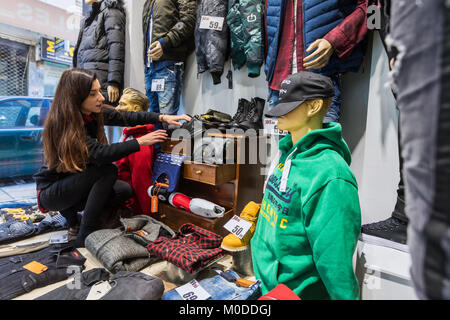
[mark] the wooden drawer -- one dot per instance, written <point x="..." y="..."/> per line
<point x="175" y="218"/>
<point x="213" y="174"/>
<point x="177" y="146"/>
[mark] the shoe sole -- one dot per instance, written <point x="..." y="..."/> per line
<point x="234" y="249"/>
<point x="383" y="242"/>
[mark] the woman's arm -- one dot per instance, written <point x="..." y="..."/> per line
<point x="113" y="117"/>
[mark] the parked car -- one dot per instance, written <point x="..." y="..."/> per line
<point x="21" y="125"/>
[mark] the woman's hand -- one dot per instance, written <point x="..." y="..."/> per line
<point x="152" y="138"/>
<point x="173" y="119"/>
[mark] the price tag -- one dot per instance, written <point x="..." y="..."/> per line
<point x="237" y="226"/>
<point x="59" y="238"/>
<point x="99" y="290"/>
<point x="193" y="291"/>
<point x="158" y="84"/>
<point x="211" y="23"/>
<point x="270" y="127"/>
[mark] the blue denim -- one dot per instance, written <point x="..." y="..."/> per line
<point x="221" y="289"/>
<point x="334" y="113"/>
<point x="167" y="101"/>
<point x="52" y="223"/>
<point x="272" y="98"/>
<point x="14" y="230"/>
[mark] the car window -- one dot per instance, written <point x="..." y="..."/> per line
<point x="21" y="113"/>
<point x="9" y="114"/>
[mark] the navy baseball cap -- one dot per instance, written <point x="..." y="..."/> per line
<point x="301" y="87"/>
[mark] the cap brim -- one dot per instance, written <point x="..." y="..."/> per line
<point x="282" y="109"/>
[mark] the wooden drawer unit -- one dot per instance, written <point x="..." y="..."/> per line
<point x="177" y="146"/>
<point x="213" y="174"/>
<point x="175" y="218"/>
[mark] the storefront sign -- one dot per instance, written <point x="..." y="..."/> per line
<point x="58" y="50"/>
<point x="41" y="18"/>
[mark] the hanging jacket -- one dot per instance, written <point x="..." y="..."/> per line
<point x="173" y="24"/>
<point x="273" y="21"/>
<point x="246" y="21"/>
<point x="211" y="46"/>
<point x="341" y="22"/>
<point x="136" y="169"/>
<point x="101" y="43"/>
<point x="307" y="233"/>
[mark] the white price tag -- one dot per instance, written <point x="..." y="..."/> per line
<point x="237" y="226"/>
<point x="158" y="84"/>
<point x="193" y="291"/>
<point x="270" y="127"/>
<point x="98" y="290"/>
<point x="211" y="23"/>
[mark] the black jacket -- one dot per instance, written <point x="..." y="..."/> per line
<point x="99" y="153"/>
<point x="212" y="46"/>
<point x="101" y="43"/>
<point x="174" y="23"/>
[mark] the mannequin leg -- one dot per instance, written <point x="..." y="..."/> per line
<point x="421" y="33"/>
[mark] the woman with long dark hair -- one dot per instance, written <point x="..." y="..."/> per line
<point x="79" y="171"/>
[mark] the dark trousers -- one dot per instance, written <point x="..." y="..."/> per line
<point x="92" y="190"/>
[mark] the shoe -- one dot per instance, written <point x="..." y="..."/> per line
<point x="254" y="116"/>
<point x="233" y="243"/>
<point x="239" y="116"/>
<point x="389" y="233"/>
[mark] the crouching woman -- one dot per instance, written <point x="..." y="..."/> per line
<point x="79" y="173"/>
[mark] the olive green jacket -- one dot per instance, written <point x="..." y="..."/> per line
<point x="174" y="23"/>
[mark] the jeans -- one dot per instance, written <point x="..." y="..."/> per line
<point x="125" y="286"/>
<point x="333" y="114"/>
<point x="420" y="31"/>
<point x="221" y="289"/>
<point x="13" y="230"/>
<point x="16" y="280"/>
<point x="168" y="100"/>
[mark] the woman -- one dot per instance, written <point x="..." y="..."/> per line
<point x="79" y="171"/>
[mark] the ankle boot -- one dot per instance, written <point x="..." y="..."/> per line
<point x="253" y="119"/>
<point x="238" y="116"/>
<point x="233" y="243"/>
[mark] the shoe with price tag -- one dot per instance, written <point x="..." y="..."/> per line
<point x="241" y="228"/>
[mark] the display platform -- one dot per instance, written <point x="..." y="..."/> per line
<point x="383" y="273"/>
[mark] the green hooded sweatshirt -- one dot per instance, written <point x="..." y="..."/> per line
<point x="306" y="236"/>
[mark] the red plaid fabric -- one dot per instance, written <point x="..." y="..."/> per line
<point x="192" y="248"/>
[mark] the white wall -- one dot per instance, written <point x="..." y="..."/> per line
<point x="369" y="117"/>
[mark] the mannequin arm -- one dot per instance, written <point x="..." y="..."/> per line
<point x="115" y="36"/>
<point x="346" y="35"/>
<point x="184" y="28"/>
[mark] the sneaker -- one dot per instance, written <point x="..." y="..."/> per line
<point x="233" y="243"/>
<point x="389" y="233"/>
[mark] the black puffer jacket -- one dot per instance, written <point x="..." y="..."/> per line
<point x="212" y="46"/>
<point x="101" y="43"/>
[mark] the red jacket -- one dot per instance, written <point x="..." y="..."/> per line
<point x="136" y="169"/>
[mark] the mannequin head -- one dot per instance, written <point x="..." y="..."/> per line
<point x="133" y="100"/>
<point x="90" y="2"/>
<point x="306" y="117"/>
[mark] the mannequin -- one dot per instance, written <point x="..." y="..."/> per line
<point x="310" y="218"/>
<point x="168" y="30"/>
<point x="324" y="37"/>
<point x="133" y="100"/>
<point x="107" y="15"/>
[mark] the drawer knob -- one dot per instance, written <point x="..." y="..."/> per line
<point x="198" y="172"/>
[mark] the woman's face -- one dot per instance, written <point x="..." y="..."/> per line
<point x="93" y="103"/>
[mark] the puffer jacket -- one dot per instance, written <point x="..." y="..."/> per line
<point x="274" y="17"/>
<point x="212" y="46"/>
<point x="174" y="23"/>
<point x="246" y="21"/>
<point x="101" y="43"/>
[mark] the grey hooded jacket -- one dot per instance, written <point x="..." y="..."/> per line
<point x="124" y="248"/>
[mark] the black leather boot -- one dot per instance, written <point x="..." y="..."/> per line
<point x="243" y="105"/>
<point x="253" y="118"/>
